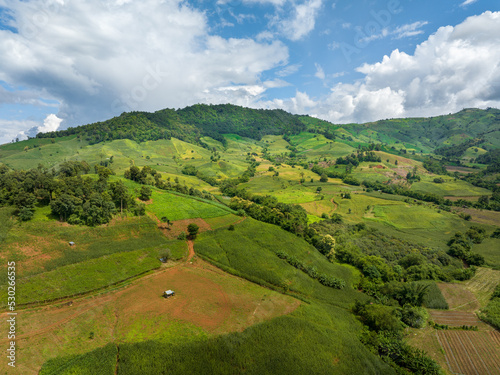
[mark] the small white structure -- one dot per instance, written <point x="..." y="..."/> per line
<point x="71" y="243"/>
<point x="168" y="293"/>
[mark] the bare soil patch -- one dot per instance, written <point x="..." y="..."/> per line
<point x="177" y="227"/>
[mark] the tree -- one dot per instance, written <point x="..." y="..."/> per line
<point x="192" y="230"/>
<point x="65" y="205"/>
<point x="323" y="178"/>
<point x="145" y="193"/>
<point x="120" y="193"/>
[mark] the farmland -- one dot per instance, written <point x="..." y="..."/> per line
<point x="471" y="352"/>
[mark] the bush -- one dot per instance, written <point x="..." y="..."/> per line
<point x="182" y="236"/>
<point x="414" y="317"/>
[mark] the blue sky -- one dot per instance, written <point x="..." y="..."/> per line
<point x="66" y="63"/>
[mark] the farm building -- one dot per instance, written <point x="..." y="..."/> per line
<point x="168" y="293"/>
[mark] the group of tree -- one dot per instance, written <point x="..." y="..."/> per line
<point x="72" y="197"/>
<point x="149" y="176"/>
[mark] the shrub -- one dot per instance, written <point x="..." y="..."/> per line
<point x="182" y="236"/>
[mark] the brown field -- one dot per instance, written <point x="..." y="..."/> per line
<point x="457" y="318"/>
<point x="460" y="169"/>
<point x="482" y="216"/>
<point x="466" y="198"/>
<point x="468" y="352"/>
<point x="458" y="297"/>
<point x="177" y="227"/>
<point x="207" y="301"/>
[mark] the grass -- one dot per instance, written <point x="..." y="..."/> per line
<point x="483" y="284"/>
<point x="179" y="207"/>
<point x="250" y="251"/>
<point x="74" y="279"/>
<point x="489" y="250"/>
<point x="451" y="187"/>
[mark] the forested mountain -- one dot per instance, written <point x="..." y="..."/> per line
<point x="467" y="128"/>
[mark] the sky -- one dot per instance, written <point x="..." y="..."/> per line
<point x="71" y="62"/>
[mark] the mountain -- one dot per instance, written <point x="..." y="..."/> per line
<point x="191" y="123"/>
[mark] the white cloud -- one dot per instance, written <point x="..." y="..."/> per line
<point x="126" y="55"/>
<point x="467" y="2"/>
<point x="289" y="70"/>
<point x="409" y="29"/>
<point x="320" y="73"/>
<point x="457" y="67"/>
<point x="303" y="20"/>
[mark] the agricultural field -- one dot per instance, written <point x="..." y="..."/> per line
<point x="483" y="284"/>
<point x="255" y="259"/>
<point x="471" y="353"/>
<point x="208" y="302"/>
<point x="179" y="207"/>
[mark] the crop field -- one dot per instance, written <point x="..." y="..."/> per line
<point x="482" y="284"/>
<point x="178" y="207"/>
<point x="456" y="318"/>
<point x="42" y="244"/>
<point x="434" y="298"/>
<point x="471" y="353"/>
<point x="450" y="187"/>
<point x="250" y="251"/>
<point x="458" y="297"/>
<point x="74" y="279"/>
<point x="207" y="302"/>
<point x="417" y="217"/>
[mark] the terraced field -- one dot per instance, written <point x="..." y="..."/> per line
<point x="471" y="353"/>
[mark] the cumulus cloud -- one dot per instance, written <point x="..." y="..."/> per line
<point x="457" y="67"/>
<point x="127" y="55"/>
<point x="50" y="124"/>
<point x="303" y="20"/>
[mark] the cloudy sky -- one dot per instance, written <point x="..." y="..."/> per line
<point x="70" y="62"/>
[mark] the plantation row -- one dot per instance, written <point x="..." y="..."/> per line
<point x="312" y="271"/>
<point x="470" y="353"/>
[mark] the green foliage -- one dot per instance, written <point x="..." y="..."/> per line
<point x="434" y="299"/>
<point x="145" y="193"/>
<point x="491" y="313"/>
<point x="192" y="230"/>
<point x="414" y="316"/>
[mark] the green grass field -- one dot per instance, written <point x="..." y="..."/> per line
<point x="178" y="207"/>
<point x="72" y="280"/>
